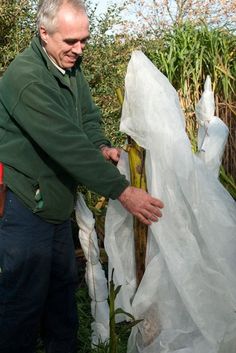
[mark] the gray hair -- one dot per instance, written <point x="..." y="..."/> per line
<point x="48" y="10"/>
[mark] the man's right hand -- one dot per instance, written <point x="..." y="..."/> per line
<point x="141" y="204"/>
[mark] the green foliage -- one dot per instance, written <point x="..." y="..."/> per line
<point x="228" y="182"/>
<point x="102" y="25"/>
<point x="16" y="28"/>
<point x="105" y="68"/>
<point x="186" y="54"/>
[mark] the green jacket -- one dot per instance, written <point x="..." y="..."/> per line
<point x="50" y="136"/>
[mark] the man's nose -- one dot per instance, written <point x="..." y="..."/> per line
<point x="77" y="48"/>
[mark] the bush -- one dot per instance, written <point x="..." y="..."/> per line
<point x="16" y="28"/>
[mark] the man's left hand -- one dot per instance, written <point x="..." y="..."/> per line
<point x="111" y="153"/>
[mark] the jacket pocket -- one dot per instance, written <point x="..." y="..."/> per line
<point x="54" y="199"/>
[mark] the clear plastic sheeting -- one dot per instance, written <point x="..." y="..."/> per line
<point x="187" y="297"/>
<point x="212" y="131"/>
<point x="94" y="275"/>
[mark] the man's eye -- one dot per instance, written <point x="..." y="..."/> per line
<point x="70" y="41"/>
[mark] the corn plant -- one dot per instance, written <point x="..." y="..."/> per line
<point x="114" y="337"/>
<point x="188" y="53"/>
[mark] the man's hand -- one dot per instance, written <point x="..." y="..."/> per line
<point x="141" y="204"/>
<point x="111" y="153"/>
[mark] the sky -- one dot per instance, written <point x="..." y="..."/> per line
<point x="102" y="4"/>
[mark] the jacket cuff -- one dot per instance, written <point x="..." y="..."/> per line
<point x="119" y="189"/>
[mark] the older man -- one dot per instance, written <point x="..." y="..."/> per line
<point x="50" y="142"/>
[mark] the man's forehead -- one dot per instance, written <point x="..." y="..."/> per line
<point x="68" y="14"/>
<point x="70" y="26"/>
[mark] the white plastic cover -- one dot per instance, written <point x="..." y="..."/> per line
<point x="212" y="131"/>
<point x="94" y="275"/>
<point x="187" y="297"/>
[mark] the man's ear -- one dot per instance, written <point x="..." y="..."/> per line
<point x="43" y="34"/>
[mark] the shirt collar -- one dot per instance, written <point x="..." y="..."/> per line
<point x="51" y="59"/>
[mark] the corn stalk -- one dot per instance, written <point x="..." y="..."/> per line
<point x="114" y="337"/>
<point x="136" y="155"/>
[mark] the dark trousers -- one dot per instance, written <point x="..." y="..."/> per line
<point x="38" y="278"/>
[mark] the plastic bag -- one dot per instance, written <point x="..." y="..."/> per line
<point x="187" y="297"/>
<point x="94" y="274"/>
<point x="212" y="131"/>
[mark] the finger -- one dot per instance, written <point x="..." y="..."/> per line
<point x="118" y="153"/>
<point x="155" y="211"/>
<point x="143" y="219"/>
<point x="115" y="155"/>
<point x="157" y="203"/>
<point x="154" y="218"/>
<point x="105" y="155"/>
<point x="151" y="216"/>
<point x="115" y="158"/>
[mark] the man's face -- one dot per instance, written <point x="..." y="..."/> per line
<point x="66" y="44"/>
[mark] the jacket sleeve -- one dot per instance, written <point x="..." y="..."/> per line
<point x="91" y="115"/>
<point x="41" y="114"/>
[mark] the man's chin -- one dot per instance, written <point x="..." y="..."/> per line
<point x="70" y="64"/>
